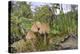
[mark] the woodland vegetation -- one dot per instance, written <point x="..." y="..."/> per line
<point x="42" y="30"/>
